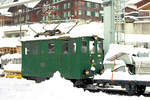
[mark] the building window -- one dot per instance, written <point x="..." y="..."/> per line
<point x="93" y="13"/>
<point x="68" y="5"/>
<point x="75" y="13"/>
<point x="65" y="47"/>
<point x="87" y="13"/>
<point x="73" y="46"/>
<point x="27" y="48"/>
<point x="93" y="5"/>
<point x="64" y="14"/>
<point x="97" y="5"/>
<point x="51" y="47"/>
<point x="27" y="17"/>
<point x="80" y="12"/>
<point x="84" y="46"/>
<point x="64" y="6"/>
<point x="99" y="47"/>
<point x="69" y="13"/>
<point x="88" y="4"/>
<point x="58" y="8"/>
<point x="35" y="48"/>
<point x="96" y="14"/>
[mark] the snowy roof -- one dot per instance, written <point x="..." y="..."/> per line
<point x="133" y="1"/>
<point x="9" y="42"/>
<point x="11" y="56"/>
<point x="97" y="1"/>
<point x="94" y="28"/>
<point x="33" y="4"/>
<point x="5" y="12"/>
<point x="19" y="2"/>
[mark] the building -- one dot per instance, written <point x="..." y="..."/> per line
<point x="5" y="20"/>
<point x="76" y="9"/>
<point x="48" y="10"/>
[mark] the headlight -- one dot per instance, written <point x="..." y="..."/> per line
<point x="86" y="72"/>
<point x="101" y="71"/>
<point x="92" y="68"/>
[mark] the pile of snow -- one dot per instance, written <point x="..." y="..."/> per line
<point x="56" y="88"/>
<point x="11" y="56"/>
<point x="12" y="67"/>
<point x="11" y="62"/>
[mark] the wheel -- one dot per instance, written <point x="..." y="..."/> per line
<point x="131" y="89"/>
<point x="141" y="89"/>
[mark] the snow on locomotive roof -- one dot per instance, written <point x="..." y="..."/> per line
<point x="81" y="30"/>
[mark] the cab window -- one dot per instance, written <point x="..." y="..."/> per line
<point x="92" y="47"/>
<point x="84" y="46"/>
<point x="73" y="46"/>
<point x="99" y="47"/>
<point x="51" y="47"/>
<point x="35" y="48"/>
<point x="65" y="47"/>
<point x="27" y="49"/>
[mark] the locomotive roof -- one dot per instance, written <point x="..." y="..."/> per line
<point x="81" y="30"/>
<point x="65" y="36"/>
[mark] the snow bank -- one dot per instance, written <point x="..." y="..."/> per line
<point x="56" y="88"/>
<point x="12" y="67"/>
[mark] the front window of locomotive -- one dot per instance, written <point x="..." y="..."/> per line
<point x="92" y="47"/>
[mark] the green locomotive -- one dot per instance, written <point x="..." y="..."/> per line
<point x="76" y="58"/>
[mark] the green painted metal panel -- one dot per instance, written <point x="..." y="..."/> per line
<point x="71" y="65"/>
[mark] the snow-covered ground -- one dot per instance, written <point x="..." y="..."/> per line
<point x="56" y="88"/>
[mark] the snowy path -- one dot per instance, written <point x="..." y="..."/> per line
<point x="54" y="89"/>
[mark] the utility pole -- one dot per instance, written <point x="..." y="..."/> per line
<point x="113" y="22"/>
<point x="109" y="24"/>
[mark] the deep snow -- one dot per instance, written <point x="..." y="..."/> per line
<point x="56" y="88"/>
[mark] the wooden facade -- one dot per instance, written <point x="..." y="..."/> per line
<point x="10" y="50"/>
<point x="5" y="20"/>
<point x="77" y="9"/>
<point x="47" y="10"/>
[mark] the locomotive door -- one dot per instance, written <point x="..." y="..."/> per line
<point x="64" y="58"/>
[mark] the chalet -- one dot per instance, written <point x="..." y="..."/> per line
<point x="76" y="9"/>
<point x="23" y="13"/>
<point x="47" y="10"/>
